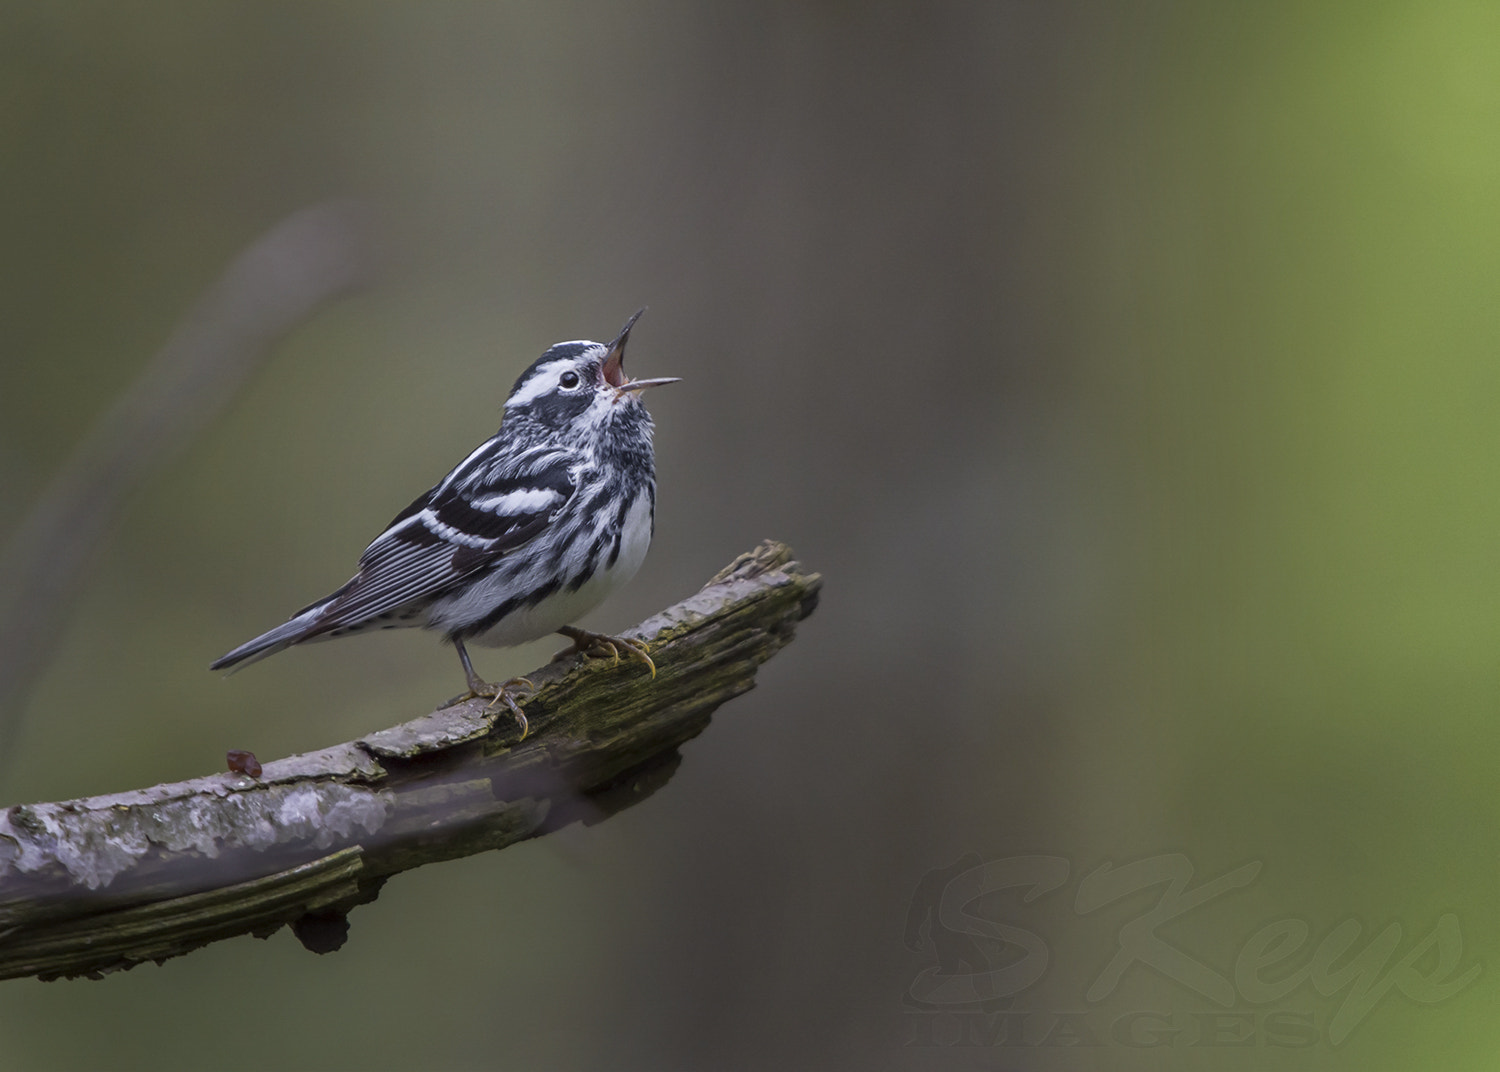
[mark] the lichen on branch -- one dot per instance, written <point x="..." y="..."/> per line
<point x="99" y="884"/>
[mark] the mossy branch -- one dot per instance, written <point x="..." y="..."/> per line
<point x="100" y="884"/>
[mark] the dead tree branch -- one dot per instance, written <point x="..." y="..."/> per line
<point x="101" y="884"/>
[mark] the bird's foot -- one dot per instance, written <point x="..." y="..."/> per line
<point x="598" y="645"/>
<point x="502" y="694"/>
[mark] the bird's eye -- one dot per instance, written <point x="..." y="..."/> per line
<point x="569" y="380"/>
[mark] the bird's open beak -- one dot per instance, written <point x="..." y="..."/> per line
<point x="641" y="385"/>
<point x="614" y="363"/>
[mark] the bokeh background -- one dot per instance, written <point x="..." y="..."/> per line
<point x="1130" y="372"/>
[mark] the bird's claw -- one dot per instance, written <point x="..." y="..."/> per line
<point x="597" y="645"/>
<point x="501" y="694"/>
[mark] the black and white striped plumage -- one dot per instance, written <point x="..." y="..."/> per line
<point x="530" y="532"/>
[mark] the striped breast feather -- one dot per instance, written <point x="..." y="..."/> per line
<point x="460" y="527"/>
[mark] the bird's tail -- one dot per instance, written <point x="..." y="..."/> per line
<point x="301" y="626"/>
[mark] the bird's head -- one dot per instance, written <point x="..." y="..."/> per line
<point x="580" y="388"/>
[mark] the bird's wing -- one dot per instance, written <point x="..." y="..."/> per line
<point x="484" y="509"/>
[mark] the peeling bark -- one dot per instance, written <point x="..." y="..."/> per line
<point x="100" y="884"/>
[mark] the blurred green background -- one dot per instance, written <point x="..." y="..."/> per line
<point x="1128" y="370"/>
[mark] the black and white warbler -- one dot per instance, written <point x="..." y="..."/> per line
<point x="530" y="532"/>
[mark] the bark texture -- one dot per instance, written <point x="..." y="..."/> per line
<point x="100" y="884"/>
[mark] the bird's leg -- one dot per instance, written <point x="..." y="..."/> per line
<point x="479" y="688"/>
<point x="599" y="644"/>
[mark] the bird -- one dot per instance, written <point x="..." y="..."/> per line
<point x="535" y="528"/>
